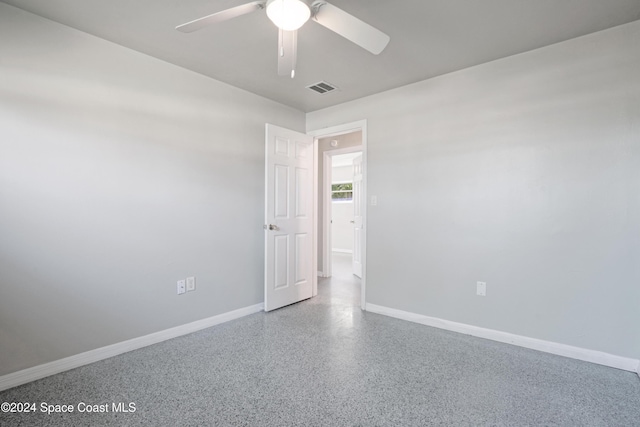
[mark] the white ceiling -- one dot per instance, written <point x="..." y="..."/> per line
<point x="428" y="38"/>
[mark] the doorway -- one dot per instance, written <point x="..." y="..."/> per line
<point x="342" y="199"/>
<point x="329" y="143"/>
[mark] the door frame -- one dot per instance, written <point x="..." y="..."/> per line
<point x="327" y="214"/>
<point x="360" y="125"/>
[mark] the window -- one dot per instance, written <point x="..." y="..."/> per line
<point x="342" y="192"/>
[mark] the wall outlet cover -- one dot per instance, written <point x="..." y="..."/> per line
<point x="191" y="284"/>
<point x="481" y="289"/>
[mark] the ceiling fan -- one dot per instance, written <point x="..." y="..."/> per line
<point x="289" y="16"/>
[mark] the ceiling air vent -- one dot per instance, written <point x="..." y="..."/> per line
<point x="322" y="87"/>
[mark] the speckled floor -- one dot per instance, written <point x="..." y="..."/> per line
<point x="323" y="362"/>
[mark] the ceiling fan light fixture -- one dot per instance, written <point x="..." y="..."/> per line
<point x="288" y="15"/>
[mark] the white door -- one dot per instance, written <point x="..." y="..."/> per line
<point x="288" y="217"/>
<point x="357" y="216"/>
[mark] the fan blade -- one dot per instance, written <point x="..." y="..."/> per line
<point x="287" y="52"/>
<point x="221" y="16"/>
<point x="349" y="27"/>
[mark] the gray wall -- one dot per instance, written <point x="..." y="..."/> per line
<point x="524" y="173"/>
<point x="120" y="174"/>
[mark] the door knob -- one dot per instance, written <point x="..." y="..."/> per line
<point x="271" y="227"/>
<point x="352" y="222"/>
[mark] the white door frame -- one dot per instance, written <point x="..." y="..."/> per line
<point x="326" y="132"/>
<point x="327" y="215"/>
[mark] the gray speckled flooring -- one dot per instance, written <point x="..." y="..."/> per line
<point x="323" y="362"/>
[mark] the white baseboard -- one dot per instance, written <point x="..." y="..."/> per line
<point x="37" y="372"/>
<point x="342" y="251"/>
<point x="592" y="356"/>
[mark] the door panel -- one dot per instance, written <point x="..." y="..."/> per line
<point x="301" y="259"/>
<point x="281" y="185"/>
<point x="281" y="261"/>
<point x="288" y="217"/>
<point x="302" y="183"/>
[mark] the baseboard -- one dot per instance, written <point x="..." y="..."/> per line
<point x="41" y="371"/>
<point x="587" y="355"/>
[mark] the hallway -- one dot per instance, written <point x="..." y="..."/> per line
<point x="342" y="288"/>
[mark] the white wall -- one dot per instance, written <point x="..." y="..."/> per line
<point x="523" y="173"/>
<point x="342" y="228"/>
<point x="342" y="213"/>
<point x="120" y="174"/>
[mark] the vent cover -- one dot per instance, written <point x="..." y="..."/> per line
<point x="322" y="87"/>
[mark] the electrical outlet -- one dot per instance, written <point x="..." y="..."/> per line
<point x="191" y="284"/>
<point x="182" y="286"/>
<point x="481" y="289"/>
